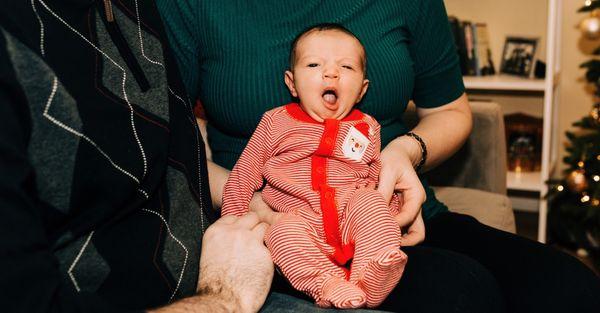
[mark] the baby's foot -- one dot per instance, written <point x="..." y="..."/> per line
<point x="341" y="294"/>
<point x="381" y="274"/>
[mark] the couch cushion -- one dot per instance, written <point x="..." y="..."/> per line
<point x="491" y="209"/>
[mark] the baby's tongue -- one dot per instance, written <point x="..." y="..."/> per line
<point x="330" y="98"/>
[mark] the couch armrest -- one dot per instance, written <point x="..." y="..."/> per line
<point x="481" y="162"/>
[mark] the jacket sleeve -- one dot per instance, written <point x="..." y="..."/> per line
<point x="246" y="176"/>
<point x="30" y="278"/>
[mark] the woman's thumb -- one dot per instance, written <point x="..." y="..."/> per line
<point x="386" y="186"/>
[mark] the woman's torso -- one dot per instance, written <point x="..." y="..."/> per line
<point x="243" y="49"/>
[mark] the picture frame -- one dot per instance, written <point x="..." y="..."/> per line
<point x="518" y="56"/>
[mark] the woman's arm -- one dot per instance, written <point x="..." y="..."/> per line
<point x="444" y="130"/>
<point x="217" y="175"/>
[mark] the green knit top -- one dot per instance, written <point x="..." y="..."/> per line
<point x="232" y="56"/>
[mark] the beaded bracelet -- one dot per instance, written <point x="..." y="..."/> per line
<point x="423" y="149"/>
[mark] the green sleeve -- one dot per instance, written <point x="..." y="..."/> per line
<point x="438" y="79"/>
<point x="180" y="19"/>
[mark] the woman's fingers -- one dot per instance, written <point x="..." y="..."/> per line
<point x="415" y="233"/>
<point x="413" y="199"/>
<point x="402" y="179"/>
<point x="387" y="184"/>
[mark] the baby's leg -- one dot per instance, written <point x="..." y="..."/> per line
<point x="295" y="248"/>
<point x="378" y="262"/>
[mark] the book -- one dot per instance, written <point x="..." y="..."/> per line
<point x="468" y="31"/>
<point x="459" y="41"/>
<point x="474" y="35"/>
<point x="472" y="46"/>
<point x="484" y="62"/>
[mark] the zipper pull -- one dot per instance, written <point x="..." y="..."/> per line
<point x="108" y="11"/>
<point x="117" y="37"/>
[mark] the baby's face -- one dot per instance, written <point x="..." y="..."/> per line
<point x="328" y="74"/>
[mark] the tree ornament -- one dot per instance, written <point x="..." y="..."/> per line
<point x="577" y="181"/>
<point x="590" y="26"/>
<point x="589" y="5"/>
<point x="595" y="113"/>
<point x="581" y="252"/>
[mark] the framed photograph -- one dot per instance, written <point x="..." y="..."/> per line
<point x="518" y="54"/>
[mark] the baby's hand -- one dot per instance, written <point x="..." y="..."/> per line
<point x="263" y="210"/>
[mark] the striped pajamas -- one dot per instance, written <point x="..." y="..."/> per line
<point x="322" y="176"/>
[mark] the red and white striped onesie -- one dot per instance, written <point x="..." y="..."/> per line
<point x="323" y="176"/>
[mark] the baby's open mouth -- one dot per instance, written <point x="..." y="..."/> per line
<point x="330" y="96"/>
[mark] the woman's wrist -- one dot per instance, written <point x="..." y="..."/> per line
<point x="423" y="148"/>
<point x="410" y="147"/>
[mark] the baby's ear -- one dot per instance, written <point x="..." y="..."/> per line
<point x="363" y="91"/>
<point x="289" y="81"/>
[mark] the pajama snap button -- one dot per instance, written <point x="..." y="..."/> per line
<point x="320" y="170"/>
<point x="328" y="141"/>
<point x="328" y="195"/>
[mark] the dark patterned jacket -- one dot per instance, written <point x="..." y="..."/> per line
<point x="103" y="184"/>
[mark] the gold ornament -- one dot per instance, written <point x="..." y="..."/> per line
<point x="595" y="113"/>
<point x="577" y="181"/>
<point x="590" y="26"/>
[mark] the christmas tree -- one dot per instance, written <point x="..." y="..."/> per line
<point x="574" y="200"/>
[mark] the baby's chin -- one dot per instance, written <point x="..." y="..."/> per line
<point x="322" y="116"/>
<point x="325" y="112"/>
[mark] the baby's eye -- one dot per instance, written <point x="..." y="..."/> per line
<point x="347" y="67"/>
<point x="313" y="65"/>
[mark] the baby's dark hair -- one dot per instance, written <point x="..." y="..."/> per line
<point x="325" y="27"/>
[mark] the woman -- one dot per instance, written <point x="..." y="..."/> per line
<point x="232" y="56"/>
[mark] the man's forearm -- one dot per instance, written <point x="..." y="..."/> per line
<point x="199" y="303"/>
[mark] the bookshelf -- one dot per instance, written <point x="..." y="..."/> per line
<point x="504" y="82"/>
<point x="504" y="19"/>
<point x="526" y="181"/>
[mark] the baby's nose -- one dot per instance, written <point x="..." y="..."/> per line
<point x="331" y="72"/>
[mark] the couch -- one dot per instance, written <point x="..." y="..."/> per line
<point x="473" y="181"/>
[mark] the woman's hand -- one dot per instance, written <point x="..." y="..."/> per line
<point x="398" y="175"/>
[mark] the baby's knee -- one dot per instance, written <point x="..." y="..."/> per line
<point x="368" y="199"/>
<point x="286" y="227"/>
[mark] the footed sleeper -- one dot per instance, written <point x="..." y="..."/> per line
<point x="323" y="176"/>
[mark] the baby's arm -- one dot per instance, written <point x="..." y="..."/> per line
<point x="246" y="176"/>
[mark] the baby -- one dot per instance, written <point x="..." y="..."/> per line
<point x="337" y="240"/>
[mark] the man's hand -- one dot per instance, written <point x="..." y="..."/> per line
<point x="235" y="266"/>
<point x="398" y="175"/>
